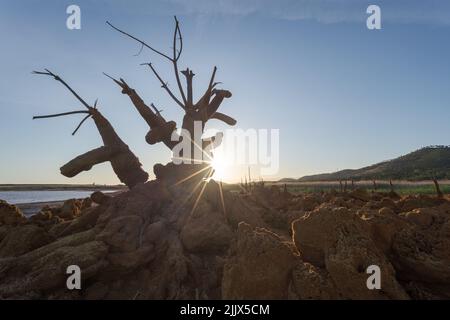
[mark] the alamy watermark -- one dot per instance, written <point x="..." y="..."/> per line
<point x="373" y="22"/>
<point x="74" y="280"/>
<point x="234" y="147"/>
<point x="374" y="280"/>
<point x="73" y="21"/>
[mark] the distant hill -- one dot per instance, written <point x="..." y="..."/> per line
<point x="422" y="164"/>
<point x="288" y="180"/>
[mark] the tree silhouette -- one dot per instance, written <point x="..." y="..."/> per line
<point x="125" y="164"/>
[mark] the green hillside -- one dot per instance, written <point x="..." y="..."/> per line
<point x="422" y="164"/>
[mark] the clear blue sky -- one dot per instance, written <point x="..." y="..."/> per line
<point x="342" y="96"/>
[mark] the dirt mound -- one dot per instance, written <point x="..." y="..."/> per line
<point x="10" y="214"/>
<point x="194" y="240"/>
<point x="259" y="265"/>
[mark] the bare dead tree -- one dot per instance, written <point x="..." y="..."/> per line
<point x="124" y="163"/>
<point x="374" y="185"/>
<point x="202" y="111"/>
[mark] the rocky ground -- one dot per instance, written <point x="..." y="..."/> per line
<point x="261" y="243"/>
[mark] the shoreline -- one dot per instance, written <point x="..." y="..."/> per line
<point x="60" y="187"/>
<point x="31" y="208"/>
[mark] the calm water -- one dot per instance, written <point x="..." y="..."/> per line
<point x="16" y="197"/>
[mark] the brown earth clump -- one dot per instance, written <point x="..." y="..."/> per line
<point x="163" y="241"/>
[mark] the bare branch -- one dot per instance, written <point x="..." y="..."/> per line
<point x="204" y="100"/>
<point x="140" y="50"/>
<point x="145" y="112"/>
<point x="140" y="41"/>
<point x="174" y="59"/>
<point x="217" y="100"/>
<point x="223" y="117"/>
<point x="211" y="81"/>
<point x="155" y="109"/>
<point x="164" y="85"/>
<point x="176" y="56"/>
<point x="87" y="160"/>
<point x="124" y="163"/>
<point x="189" y="76"/>
<point x="125" y="88"/>
<point x="82" y="121"/>
<point x="57" y="78"/>
<point x="177" y="29"/>
<point x="59" y="114"/>
<point x="160" y="129"/>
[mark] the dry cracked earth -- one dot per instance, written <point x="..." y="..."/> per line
<point x="159" y="242"/>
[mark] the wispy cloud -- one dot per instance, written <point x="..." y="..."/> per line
<point x="323" y="11"/>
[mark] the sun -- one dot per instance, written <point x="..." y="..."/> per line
<point x="219" y="165"/>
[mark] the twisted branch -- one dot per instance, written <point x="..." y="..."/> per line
<point x="165" y="86"/>
<point x="204" y="100"/>
<point x="140" y="41"/>
<point x="59" y="114"/>
<point x="176" y="57"/>
<point x="149" y="116"/>
<point x="57" y="78"/>
<point x="80" y="124"/>
<point x="89" y="114"/>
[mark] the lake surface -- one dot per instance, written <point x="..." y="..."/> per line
<point x="17" y="197"/>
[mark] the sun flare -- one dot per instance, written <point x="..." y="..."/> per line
<point x="219" y="165"/>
